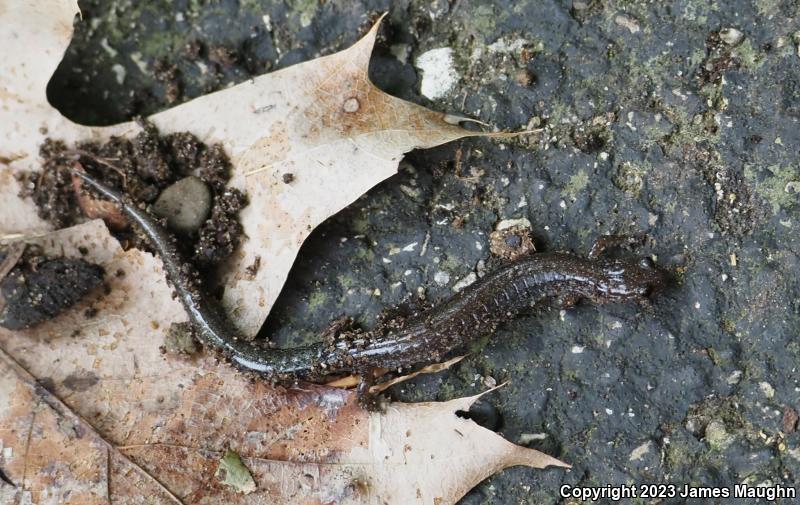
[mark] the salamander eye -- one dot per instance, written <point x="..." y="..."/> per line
<point x="646" y="263"/>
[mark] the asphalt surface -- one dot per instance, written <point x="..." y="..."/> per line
<point x="674" y="119"/>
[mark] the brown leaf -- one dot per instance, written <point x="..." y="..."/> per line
<point x="127" y="406"/>
<point x="352" y="381"/>
<point x="321" y="121"/>
<point x="98" y="209"/>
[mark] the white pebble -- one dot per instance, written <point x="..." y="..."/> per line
<point x="731" y="36"/>
<point x="466" y="281"/>
<point x="734" y="377"/>
<point x="119" y="71"/>
<point x="438" y="72"/>
<point x="441" y="278"/>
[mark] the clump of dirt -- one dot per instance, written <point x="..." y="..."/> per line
<point x="38" y="287"/>
<point x="735" y="209"/>
<point x="141" y="168"/>
<point x="180" y="339"/>
<point x="220" y="235"/>
<point x="169" y="75"/>
<point x="594" y="136"/>
<point x="511" y="240"/>
<point x="718" y="60"/>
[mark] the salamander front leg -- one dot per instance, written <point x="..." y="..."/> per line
<point x="605" y="242"/>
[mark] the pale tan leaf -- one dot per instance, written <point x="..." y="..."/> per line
<point x="322" y="121"/>
<point x="175" y="416"/>
<point x="432" y="368"/>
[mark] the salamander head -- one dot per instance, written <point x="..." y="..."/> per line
<point x="627" y="279"/>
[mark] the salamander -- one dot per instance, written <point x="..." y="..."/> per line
<point x="558" y="279"/>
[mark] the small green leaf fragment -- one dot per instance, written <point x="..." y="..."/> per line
<point x="233" y="473"/>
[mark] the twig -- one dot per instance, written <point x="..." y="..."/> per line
<point x="102" y="161"/>
<point x="13" y="254"/>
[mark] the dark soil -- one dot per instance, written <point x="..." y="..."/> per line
<point x="141" y="168"/>
<point x="39" y="288"/>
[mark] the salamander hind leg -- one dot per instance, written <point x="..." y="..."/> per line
<point x="367" y="399"/>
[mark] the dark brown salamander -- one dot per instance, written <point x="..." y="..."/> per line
<point x="560" y="279"/>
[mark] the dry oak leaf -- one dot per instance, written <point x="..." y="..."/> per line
<point x="92" y="412"/>
<point x="323" y="121"/>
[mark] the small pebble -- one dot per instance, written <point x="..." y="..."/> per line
<point x="731" y="36"/>
<point x="511" y="239"/>
<point x="179" y="340"/>
<point x="185" y="204"/>
<point x="640" y="451"/>
<point x="717" y="436"/>
<point x="441" y="278"/>
<point x="734" y="377"/>
<point x="626" y="22"/>
<point x="527" y="438"/>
